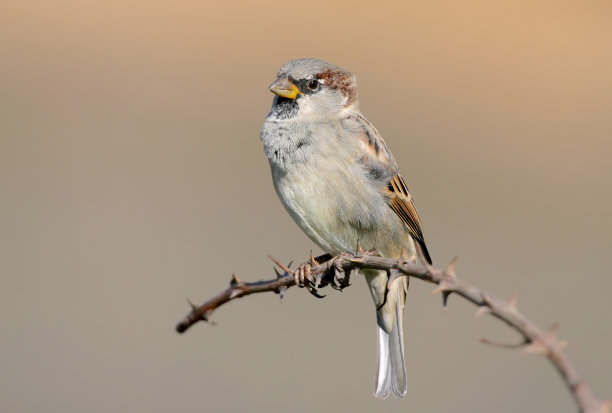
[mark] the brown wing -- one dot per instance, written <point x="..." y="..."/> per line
<point x="400" y="201"/>
<point x="381" y="167"/>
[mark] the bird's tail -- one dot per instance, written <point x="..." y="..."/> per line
<point x="391" y="376"/>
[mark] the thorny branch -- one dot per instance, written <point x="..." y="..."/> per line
<point x="534" y="339"/>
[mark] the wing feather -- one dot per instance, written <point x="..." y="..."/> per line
<point x="381" y="167"/>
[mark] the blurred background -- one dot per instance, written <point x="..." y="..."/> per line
<point x="132" y="176"/>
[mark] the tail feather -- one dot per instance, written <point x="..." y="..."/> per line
<point x="396" y="348"/>
<point x="391" y="376"/>
<point x="383" y="376"/>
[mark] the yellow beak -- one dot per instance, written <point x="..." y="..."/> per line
<point x="285" y="88"/>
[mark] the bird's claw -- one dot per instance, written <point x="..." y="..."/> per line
<point x="303" y="278"/>
<point x="341" y="279"/>
<point x="302" y="275"/>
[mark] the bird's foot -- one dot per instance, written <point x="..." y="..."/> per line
<point x="341" y="279"/>
<point x="304" y="276"/>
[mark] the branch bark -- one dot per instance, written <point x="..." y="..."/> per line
<point x="535" y="339"/>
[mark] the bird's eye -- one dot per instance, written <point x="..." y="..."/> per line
<point x="313" y="84"/>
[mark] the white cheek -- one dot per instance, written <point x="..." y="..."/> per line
<point x="305" y="106"/>
<point x="321" y="104"/>
<point x="308" y="106"/>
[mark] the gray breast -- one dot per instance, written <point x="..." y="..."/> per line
<point x="288" y="141"/>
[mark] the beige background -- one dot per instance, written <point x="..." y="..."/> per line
<point x="132" y="176"/>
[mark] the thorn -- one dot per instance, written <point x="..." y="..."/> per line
<point x="483" y="309"/>
<point x="281" y="292"/>
<point x="450" y="270"/>
<point x="442" y="287"/>
<point x="191" y="304"/>
<point x="204" y="317"/>
<point x="445" y="295"/>
<point x="235" y="280"/>
<point x="488" y="301"/>
<point x="277" y="272"/>
<point x="512" y="302"/>
<point x="281" y="265"/>
<point x="553" y="330"/>
<point x="546" y="342"/>
<point x="359" y="249"/>
<point x="551" y="335"/>
<point x="313" y="262"/>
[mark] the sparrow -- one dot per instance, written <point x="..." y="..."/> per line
<point x="337" y="178"/>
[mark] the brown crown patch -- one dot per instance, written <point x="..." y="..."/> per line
<point x="342" y="81"/>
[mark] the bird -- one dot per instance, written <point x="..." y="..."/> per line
<point x="338" y="180"/>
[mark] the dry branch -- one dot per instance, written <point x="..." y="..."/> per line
<point x="535" y="339"/>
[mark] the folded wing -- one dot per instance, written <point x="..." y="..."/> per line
<point x="381" y="167"/>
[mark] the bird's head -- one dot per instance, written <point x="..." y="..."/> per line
<point x="315" y="88"/>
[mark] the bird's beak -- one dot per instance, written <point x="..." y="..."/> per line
<point x="285" y="88"/>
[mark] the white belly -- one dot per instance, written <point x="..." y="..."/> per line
<point x="336" y="207"/>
